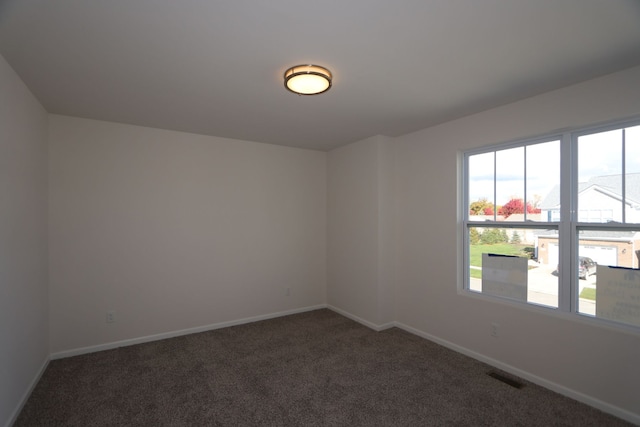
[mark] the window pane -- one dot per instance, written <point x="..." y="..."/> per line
<point x="609" y="293"/>
<point x="543" y="181"/>
<point x="510" y="183"/>
<point x="632" y="174"/>
<point x="481" y="181"/>
<point x="518" y="258"/>
<point x="541" y="279"/>
<point x="600" y="177"/>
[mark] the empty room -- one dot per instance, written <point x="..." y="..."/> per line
<point x="338" y="213"/>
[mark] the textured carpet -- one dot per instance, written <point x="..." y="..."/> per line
<point x="310" y="369"/>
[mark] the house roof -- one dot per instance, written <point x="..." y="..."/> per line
<point x="608" y="184"/>
<point x="216" y="67"/>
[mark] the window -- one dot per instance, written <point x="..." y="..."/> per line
<point x="555" y="222"/>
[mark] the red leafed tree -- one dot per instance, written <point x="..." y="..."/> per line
<point x="516" y="206"/>
<point x="488" y="210"/>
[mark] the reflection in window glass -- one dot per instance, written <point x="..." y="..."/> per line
<point x="532" y="169"/>
<point x="481" y="186"/>
<point x="613" y="294"/>
<point x="514" y="253"/>
<point x="632" y="149"/>
<point x="510" y="182"/>
<point x="541" y="277"/>
<point x="543" y="181"/>
<point x="632" y="174"/>
<point x="600" y="176"/>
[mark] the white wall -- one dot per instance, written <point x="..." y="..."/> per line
<point x="24" y="347"/>
<point x="598" y="362"/>
<point x="175" y="231"/>
<point x="360" y="233"/>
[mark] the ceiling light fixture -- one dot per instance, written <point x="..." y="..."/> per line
<point x="307" y="79"/>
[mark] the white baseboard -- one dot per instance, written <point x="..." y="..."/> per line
<point x="172" y="334"/>
<point x="573" y="394"/>
<point x="361" y="320"/>
<point x="14" y="415"/>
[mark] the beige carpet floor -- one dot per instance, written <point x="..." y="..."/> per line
<point x="311" y="369"/>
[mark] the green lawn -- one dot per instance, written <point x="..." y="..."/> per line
<point x="475" y="254"/>
<point x="499" y="248"/>
<point x="476" y="274"/>
<point x="588" y="293"/>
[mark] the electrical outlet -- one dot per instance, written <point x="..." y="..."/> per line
<point x="495" y="330"/>
<point x="111" y="316"/>
<point x="287" y="292"/>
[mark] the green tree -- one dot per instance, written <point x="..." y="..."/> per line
<point x="491" y="236"/>
<point x="515" y="237"/>
<point x="474" y="236"/>
<point x="479" y="207"/>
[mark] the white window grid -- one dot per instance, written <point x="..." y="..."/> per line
<point x="567" y="222"/>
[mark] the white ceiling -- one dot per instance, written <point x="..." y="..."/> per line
<point x="215" y="66"/>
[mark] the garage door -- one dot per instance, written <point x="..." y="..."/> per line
<point x="553" y="254"/>
<point x="603" y="255"/>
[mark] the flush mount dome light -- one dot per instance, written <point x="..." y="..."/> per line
<point x="307" y="79"/>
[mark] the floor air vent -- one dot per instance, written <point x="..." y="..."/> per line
<point x="513" y="383"/>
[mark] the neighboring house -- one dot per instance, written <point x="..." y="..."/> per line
<point x="617" y="248"/>
<point x="599" y="200"/>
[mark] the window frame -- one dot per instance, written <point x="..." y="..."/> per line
<point x="568" y="226"/>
